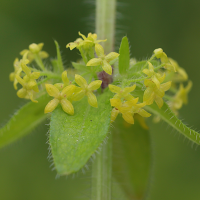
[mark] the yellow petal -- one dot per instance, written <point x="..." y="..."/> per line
<point x="128" y="117"/>
<point x="35" y="75"/>
<point x="79" y="93"/>
<point x="115" y="103"/>
<point x="161" y="78"/>
<point x="67" y="106"/>
<point x="34" y="48"/>
<point x="158" y="52"/>
<point x="71" y="45"/>
<point x="81" y="81"/>
<point x="99" y="50"/>
<point x="52" y="90"/>
<point x="43" y="54"/>
<point x="147" y="72"/>
<point x="65" y="79"/>
<point x="68" y="91"/>
<point x="94" y="62"/>
<point x="94" y="85"/>
<point x="30" y="96"/>
<point x="92" y="100"/>
<point x="189" y="86"/>
<point x="148" y="95"/>
<point x="165" y="86"/>
<point x="22" y="93"/>
<point x="129" y="89"/>
<point x="23" y="52"/>
<point x="12" y="76"/>
<point x="156" y="81"/>
<point x="107" y="67"/>
<point x="31" y="84"/>
<point x="20" y="80"/>
<point x="83" y="36"/>
<point x="111" y="56"/>
<point x="159" y="101"/>
<point x="114" y="88"/>
<point x="26" y="69"/>
<point x="114" y="114"/>
<point x="51" y="105"/>
<point x="144" y="113"/>
<point x="40" y="45"/>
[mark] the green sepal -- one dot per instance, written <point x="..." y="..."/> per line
<point x="24" y="121"/>
<point x="59" y="68"/>
<point x="73" y="139"/>
<point x="132" y="156"/>
<point x="124" y="57"/>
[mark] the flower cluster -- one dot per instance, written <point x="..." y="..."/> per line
<point x="161" y="77"/>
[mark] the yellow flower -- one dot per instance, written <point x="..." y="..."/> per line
<point x="86" y="90"/>
<point x="35" y="49"/>
<point x="164" y="59"/>
<point x="152" y="93"/>
<point x="181" y="97"/>
<point x="155" y="77"/>
<point x="127" y="109"/>
<point x="88" y="41"/>
<point x="29" y="84"/>
<point x="103" y="59"/>
<point x="122" y="93"/>
<point x="181" y="74"/>
<point x="60" y="97"/>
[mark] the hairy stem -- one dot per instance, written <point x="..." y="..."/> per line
<point x="102" y="166"/>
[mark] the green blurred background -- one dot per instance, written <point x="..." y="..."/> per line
<point x="25" y="171"/>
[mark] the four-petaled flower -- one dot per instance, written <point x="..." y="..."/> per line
<point x="164" y="59"/>
<point x="60" y="97"/>
<point x="103" y="59"/>
<point x="122" y="93"/>
<point x="29" y="84"/>
<point x="155" y="77"/>
<point x="88" y="41"/>
<point x="181" y="97"/>
<point x="127" y="109"/>
<point x="153" y="93"/>
<point x="35" y="49"/>
<point x="86" y="90"/>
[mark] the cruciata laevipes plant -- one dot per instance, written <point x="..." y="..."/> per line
<point x="84" y="101"/>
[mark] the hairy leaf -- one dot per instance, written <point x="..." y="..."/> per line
<point x="124" y="57"/>
<point x="24" y="121"/>
<point x="73" y="139"/>
<point x="131" y="157"/>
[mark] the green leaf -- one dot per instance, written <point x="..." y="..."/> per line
<point x="80" y="67"/>
<point x="170" y="118"/>
<point x="59" y="65"/>
<point x="132" y="156"/>
<point x="73" y="139"/>
<point x="124" y="57"/>
<point x="24" y="121"/>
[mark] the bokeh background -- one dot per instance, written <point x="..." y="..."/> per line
<point x="25" y="172"/>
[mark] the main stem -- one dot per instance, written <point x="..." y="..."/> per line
<point x="102" y="166"/>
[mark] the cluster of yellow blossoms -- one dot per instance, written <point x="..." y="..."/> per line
<point x="156" y="79"/>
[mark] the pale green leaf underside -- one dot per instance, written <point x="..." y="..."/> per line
<point x="124" y="57"/>
<point x="132" y="155"/>
<point x="24" y="121"/>
<point x="73" y="139"/>
<point x="170" y="118"/>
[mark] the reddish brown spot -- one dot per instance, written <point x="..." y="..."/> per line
<point x="116" y="109"/>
